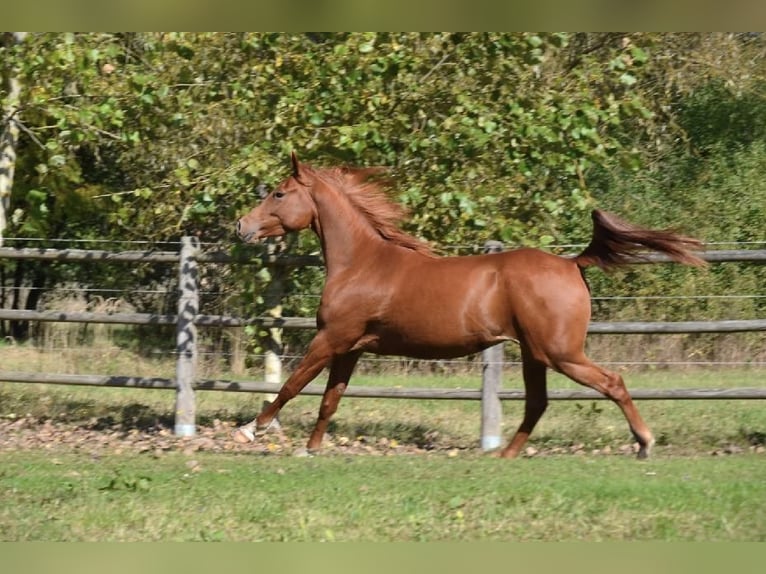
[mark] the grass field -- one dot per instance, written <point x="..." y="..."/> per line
<point x="85" y="464"/>
<point x="70" y="496"/>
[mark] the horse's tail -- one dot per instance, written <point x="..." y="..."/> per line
<point x="616" y="242"/>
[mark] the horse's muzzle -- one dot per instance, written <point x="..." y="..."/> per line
<point x="246" y="236"/>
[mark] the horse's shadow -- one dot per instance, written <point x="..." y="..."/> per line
<point x="133" y="416"/>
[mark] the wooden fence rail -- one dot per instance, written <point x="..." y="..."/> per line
<point x="252" y="256"/>
<point x="243" y="257"/>
<point x="604" y="328"/>
<point x="316" y="389"/>
<point x="188" y="318"/>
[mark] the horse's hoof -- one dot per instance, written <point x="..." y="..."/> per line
<point x="644" y="450"/>
<point x="303" y="453"/>
<point x="243" y="435"/>
<point x="506" y="454"/>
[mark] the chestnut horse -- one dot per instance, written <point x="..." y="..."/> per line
<point x="386" y="292"/>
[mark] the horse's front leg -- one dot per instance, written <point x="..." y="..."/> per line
<point x="316" y="358"/>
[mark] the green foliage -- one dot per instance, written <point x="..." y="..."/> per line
<point x="173" y="130"/>
<point x="511" y="136"/>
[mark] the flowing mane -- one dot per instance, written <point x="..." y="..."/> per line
<point x="370" y="199"/>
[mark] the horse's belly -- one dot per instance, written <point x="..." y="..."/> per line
<point x="421" y="344"/>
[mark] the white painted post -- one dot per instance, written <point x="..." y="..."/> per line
<point x="272" y="360"/>
<point x="492" y="371"/>
<point x="186" y="338"/>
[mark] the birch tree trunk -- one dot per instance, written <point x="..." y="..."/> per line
<point x="9" y="135"/>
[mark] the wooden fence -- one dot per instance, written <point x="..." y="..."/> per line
<point x="188" y="318"/>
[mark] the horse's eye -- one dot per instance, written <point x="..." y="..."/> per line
<point x="279" y="194"/>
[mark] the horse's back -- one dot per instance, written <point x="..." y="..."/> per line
<point x="507" y="281"/>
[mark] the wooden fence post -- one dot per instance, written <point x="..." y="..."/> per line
<point x="492" y="372"/>
<point x="186" y="338"/>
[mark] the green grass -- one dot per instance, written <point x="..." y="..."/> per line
<point x="442" y="489"/>
<point x="73" y="497"/>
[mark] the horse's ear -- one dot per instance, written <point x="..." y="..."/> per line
<point x="296" y="165"/>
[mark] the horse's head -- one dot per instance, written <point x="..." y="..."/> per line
<point x="289" y="207"/>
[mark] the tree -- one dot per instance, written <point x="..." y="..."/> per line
<point x="10" y="131"/>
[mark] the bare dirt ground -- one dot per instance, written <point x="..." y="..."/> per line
<point x="26" y="433"/>
<point x="97" y="439"/>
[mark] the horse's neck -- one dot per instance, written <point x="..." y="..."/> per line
<point x="345" y="234"/>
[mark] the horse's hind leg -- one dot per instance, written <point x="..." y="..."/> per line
<point x="340" y="373"/>
<point x="611" y="385"/>
<point x="535" y="403"/>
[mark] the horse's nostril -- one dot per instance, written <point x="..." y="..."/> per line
<point x="239" y="226"/>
